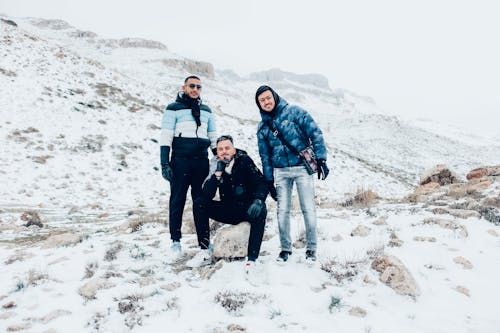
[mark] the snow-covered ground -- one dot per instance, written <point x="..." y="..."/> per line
<point x="80" y="126"/>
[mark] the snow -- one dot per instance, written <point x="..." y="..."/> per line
<point x="100" y="165"/>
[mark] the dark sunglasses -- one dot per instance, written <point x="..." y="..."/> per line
<point x="192" y="86"/>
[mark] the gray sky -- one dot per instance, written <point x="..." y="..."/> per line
<point x="416" y="58"/>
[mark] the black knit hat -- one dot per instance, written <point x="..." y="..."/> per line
<point x="263" y="88"/>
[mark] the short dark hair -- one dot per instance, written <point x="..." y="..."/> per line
<point x="191" y="77"/>
<point x="224" y="138"/>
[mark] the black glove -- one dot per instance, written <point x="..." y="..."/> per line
<point x="166" y="172"/>
<point x="272" y="190"/>
<point x="221" y="165"/>
<point x="214" y="151"/>
<point x="323" y="170"/>
<point x="255" y="208"/>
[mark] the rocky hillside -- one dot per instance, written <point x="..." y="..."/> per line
<point x="403" y="246"/>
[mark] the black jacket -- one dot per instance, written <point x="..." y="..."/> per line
<point x="242" y="186"/>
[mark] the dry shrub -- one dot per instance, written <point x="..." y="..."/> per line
<point x="234" y="301"/>
<point x="362" y="198"/>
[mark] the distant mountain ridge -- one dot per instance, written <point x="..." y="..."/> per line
<point x="93" y="100"/>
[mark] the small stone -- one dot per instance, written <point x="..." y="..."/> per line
<point x="463" y="290"/>
<point x="360" y="231"/>
<point x="466" y="264"/>
<point x="9" y="305"/>
<point x="380" y="221"/>
<point x="424" y="239"/>
<point x="171" y="286"/>
<point x="337" y="238"/>
<point x="357" y="312"/>
<point x="493" y="233"/>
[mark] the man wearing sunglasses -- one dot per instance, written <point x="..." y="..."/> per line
<point x="242" y="192"/>
<point x="187" y="131"/>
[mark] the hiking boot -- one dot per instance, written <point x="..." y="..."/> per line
<point x="283" y="256"/>
<point x="311" y="255"/>
<point x="202" y="258"/>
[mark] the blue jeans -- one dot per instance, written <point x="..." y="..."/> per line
<point x="284" y="179"/>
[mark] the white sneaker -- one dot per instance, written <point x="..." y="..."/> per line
<point x="202" y="258"/>
<point x="253" y="275"/>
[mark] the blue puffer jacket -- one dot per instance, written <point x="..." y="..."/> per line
<point x="297" y="127"/>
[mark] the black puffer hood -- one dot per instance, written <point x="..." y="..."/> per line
<point x="276" y="97"/>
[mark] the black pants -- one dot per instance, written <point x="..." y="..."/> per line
<point x="229" y="214"/>
<point x="187" y="172"/>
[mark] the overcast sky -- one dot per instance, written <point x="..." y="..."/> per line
<point x="416" y="58"/>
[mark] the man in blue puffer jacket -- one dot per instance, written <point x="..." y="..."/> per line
<point x="285" y="125"/>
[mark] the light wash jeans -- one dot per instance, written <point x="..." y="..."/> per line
<point x="284" y="179"/>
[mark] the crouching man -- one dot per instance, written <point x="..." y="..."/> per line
<point x="242" y="192"/>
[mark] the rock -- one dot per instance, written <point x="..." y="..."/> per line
<point x="367" y="280"/>
<point x="424" y="239"/>
<point x="427" y="188"/>
<point x="171" y="286"/>
<point x="493" y="202"/>
<point x="395" y="241"/>
<point x="89" y="289"/>
<point x="360" y="231"/>
<point x="232" y="241"/>
<point x="439" y="174"/>
<point x="478" y="184"/>
<point x="205" y="69"/>
<point x="394" y="274"/>
<point x="7" y="315"/>
<point x="447" y="224"/>
<point x="141" y="43"/>
<point x="380" y="221"/>
<point x="483" y="172"/>
<point x="493" y="233"/>
<point x="9" y="22"/>
<point x="53" y="315"/>
<point x="457" y="191"/>
<point x="460" y="213"/>
<point x="31" y="217"/>
<point x="466" y="264"/>
<point x="463" y="290"/>
<point x="9" y="305"/>
<point x="357" y="312"/>
<point x="19" y="327"/>
<point x="64" y="239"/>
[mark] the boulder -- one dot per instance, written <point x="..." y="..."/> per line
<point x="439" y="174"/>
<point x="232" y="241"/>
<point x="65" y="239"/>
<point x="395" y="275"/>
<point x="89" y="289"/>
<point x="483" y="172"/>
<point x="360" y="231"/>
<point x="448" y="224"/>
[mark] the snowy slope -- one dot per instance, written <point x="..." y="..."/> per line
<point x="80" y="127"/>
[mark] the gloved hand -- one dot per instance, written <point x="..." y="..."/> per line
<point x="214" y="151"/>
<point x="166" y="172"/>
<point x="272" y="190"/>
<point x="221" y="165"/>
<point x="255" y="208"/>
<point x="323" y="170"/>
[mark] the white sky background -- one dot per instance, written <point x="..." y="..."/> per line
<point x="416" y="58"/>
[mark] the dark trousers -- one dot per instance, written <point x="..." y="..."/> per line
<point x="230" y="214"/>
<point x="187" y="172"/>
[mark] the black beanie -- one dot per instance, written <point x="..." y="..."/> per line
<point x="263" y="88"/>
